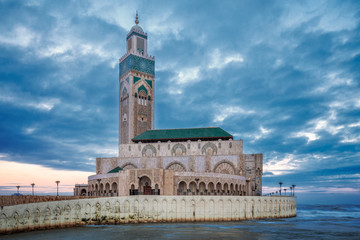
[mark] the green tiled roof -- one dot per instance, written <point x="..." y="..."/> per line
<point x="183" y="134"/>
<point x="115" y="170"/>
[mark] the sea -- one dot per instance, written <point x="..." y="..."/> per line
<point x="312" y="222"/>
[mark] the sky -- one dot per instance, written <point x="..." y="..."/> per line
<point x="283" y="76"/>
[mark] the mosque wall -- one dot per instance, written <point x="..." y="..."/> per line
<point x="220" y="147"/>
<point x="137" y="209"/>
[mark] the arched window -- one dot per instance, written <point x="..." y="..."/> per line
<point x="142" y="95"/>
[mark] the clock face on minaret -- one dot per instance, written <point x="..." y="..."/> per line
<point x="136" y="86"/>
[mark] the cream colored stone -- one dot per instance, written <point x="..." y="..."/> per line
<point x="134" y="209"/>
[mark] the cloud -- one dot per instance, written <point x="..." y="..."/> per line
<point x="309" y="135"/>
<point x="329" y="16"/>
<point x="282" y="166"/>
<point x="43" y="104"/>
<point x="224" y="112"/>
<point x="187" y="76"/>
<point x="29" y="130"/>
<point x="334" y="80"/>
<point x="219" y="60"/>
<point x="19" y="36"/>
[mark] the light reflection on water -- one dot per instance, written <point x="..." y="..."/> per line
<point x="313" y="221"/>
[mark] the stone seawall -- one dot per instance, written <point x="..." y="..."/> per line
<point x="15" y="200"/>
<point x="136" y="209"/>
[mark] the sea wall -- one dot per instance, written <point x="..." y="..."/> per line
<point x="24" y="199"/>
<point x="141" y="208"/>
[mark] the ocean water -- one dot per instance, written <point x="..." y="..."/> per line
<point x="312" y="222"/>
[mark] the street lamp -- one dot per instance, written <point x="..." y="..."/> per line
<point x="291" y="193"/>
<point x="18" y="187"/>
<point x="280" y="183"/>
<point x="32" y="186"/>
<point x="57" y="187"/>
<point x="294" y="189"/>
<point x="285" y="191"/>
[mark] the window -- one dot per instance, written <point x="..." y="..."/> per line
<point x="140" y="45"/>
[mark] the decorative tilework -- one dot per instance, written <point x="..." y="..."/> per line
<point x="127" y="79"/>
<point x="137" y="34"/>
<point x="121" y="84"/>
<point x="136" y="63"/>
<point x="149" y="82"/>
<point x="136" y="79"/>
<point x="142" y="88"/>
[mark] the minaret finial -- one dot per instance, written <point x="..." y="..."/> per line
<point x="137" y="18"/>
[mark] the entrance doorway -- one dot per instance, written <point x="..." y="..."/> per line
<point x="145" y="185"/>
<point x="147" y="190"/>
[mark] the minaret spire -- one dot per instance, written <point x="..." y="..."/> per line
<point x="137" y="18"/>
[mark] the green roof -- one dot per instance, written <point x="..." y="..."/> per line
<point x="209" y="133"/>
<point x="115" y="170"/>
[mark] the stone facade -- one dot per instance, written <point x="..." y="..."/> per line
<point x="135" y="209"/>
<point x="205" y="165"/>
<point x="203" y="168"/>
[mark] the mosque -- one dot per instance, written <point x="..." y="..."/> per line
<point x="191" y="161"/>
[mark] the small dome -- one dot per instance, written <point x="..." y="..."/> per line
<point x="137" y="28"/>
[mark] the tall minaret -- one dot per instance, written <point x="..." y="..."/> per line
<point x="136" y="86"/>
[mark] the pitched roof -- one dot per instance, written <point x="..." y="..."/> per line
<point x="209" y="133"/>
<point x="115" y="170"/>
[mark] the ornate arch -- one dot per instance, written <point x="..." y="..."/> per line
<point x="225" y="167"/>
<point x="209" y="145"/>
<point x="149" y="151"/>
<point x="178" y="150"/>
<point x="128" y="166"/>
<point x="176" y="166"/>
<point x="142" y="87"/>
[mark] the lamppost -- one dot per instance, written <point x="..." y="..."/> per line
<point x="57" y="187"/>
<point x="294" y="189"/>
<point x="32" y="186"/>
<point x="285" y="191"/>
<point x="18" y="187"/>
<point x="280" y="183"/>
<point x="291" y="193"/>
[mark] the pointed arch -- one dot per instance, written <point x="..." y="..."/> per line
<point x="128" y="166"/>
<point x="142" y="87"/>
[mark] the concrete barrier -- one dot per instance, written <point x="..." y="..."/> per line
<point x="136" y="209"/>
